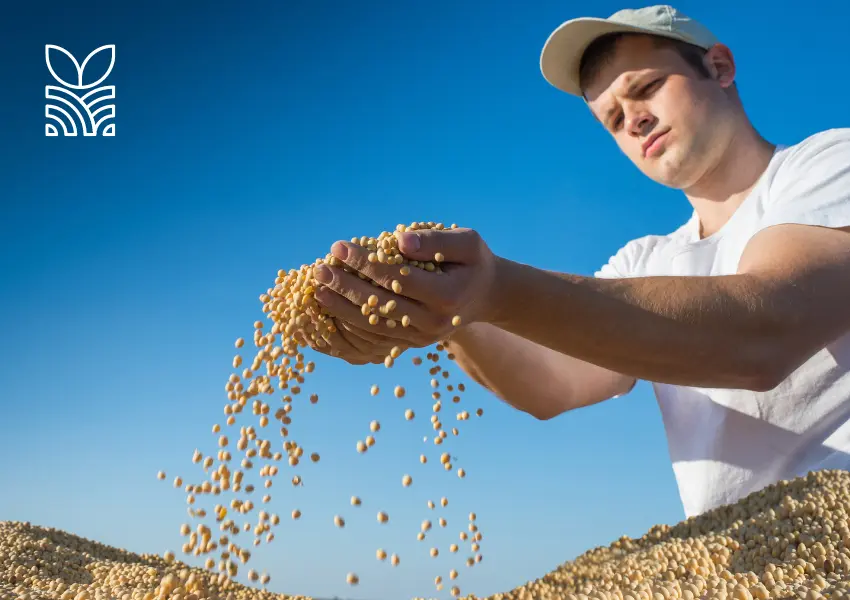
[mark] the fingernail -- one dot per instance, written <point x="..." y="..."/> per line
<point x="339" y="250"/>
<point x="409" y="241"/>
<point x="322" y="274"/>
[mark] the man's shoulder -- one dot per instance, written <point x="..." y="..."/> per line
<point x="826" y="137"/>
<point x="631" y="258"/>
<point x="821" y="145"/>
<point x="821" y="156"/>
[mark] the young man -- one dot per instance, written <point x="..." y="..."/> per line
<point x="740" y="318"/>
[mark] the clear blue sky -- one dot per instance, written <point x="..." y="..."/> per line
<point x="249" y="139"/>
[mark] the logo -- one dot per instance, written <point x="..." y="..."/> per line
<point x="73" y="107"/>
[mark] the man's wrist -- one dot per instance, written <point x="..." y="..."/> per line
<point x="457" y="335"/>
<point x="496" y="292"/>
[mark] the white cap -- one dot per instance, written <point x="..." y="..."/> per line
<point x="562" y="52"/>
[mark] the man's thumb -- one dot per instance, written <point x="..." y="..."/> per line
<point x="456" y="245"/>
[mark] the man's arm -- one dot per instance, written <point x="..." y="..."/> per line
<point x="530" y="377"/>
<point x="790" y="298"/>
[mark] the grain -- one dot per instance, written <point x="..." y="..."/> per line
<point x="789" y="540"/>
<point x="43" y="563"/>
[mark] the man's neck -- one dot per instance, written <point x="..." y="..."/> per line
<point x="722" y="190"/>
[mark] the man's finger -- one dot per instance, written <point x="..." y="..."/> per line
<point x="413" y="339"/>
<point x="373" y="338"/>
<point x="339" y="347"/>
<point x="418" y="286"/>
<point x="357" y="257"/>
<point x="376" y="351"/>
<point x="357" y="345"/>
<point x="358" y="290"/>
<point x="461" y="245"/>
<point x="345" y="294"/>
<point x="364" y="350"/>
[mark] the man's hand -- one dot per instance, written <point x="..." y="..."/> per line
<point x="350" y="347"/>
<point x="430" y="300"/>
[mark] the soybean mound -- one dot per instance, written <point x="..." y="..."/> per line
<point x="789" y="540"/>
<point x="43" y="563"/>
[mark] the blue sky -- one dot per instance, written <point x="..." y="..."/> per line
<point x="249" y="138"/>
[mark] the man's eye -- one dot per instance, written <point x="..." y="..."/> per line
<point x="649" y="86"/>
<point x="616" y="122"/>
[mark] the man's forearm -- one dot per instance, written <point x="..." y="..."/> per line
<point x="697" y="331"/>
<point x="528" y="376"/>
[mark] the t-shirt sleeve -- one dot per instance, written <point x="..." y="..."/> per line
<point x="813" y="186"/>
<point x="631" y="260"/>
<point x="618" y="265"/>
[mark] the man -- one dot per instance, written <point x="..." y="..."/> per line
<point x="740" y="318"/>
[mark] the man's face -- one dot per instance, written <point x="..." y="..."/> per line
<point x="672" y="123"/>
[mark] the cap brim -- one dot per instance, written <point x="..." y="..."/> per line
<point x="562" y="52"/>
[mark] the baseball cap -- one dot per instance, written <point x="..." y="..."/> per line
<point x="562" y="52"/>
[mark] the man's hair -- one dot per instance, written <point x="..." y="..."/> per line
<point x="601" y="50"/>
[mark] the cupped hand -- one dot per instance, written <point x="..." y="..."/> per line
<point x="350" y="347"/>
<point x="434" y="303"/>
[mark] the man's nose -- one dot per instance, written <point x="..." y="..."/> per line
<point x="639" y="122"/>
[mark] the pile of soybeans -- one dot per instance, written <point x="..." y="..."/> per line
<point x="791" y="539"/>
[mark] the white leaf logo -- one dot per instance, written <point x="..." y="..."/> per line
<point x="79" y="107"/>
<point x="54" y="52"/>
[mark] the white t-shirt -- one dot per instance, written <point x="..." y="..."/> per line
<point x="725" y="444"/>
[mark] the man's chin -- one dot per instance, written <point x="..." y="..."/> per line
<point x="671" y="178"/>
<point x="669" y="170"/>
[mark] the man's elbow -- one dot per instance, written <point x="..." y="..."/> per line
<point x="763" y="380"/>
<point x="771" y="368"/>
<point x="547" y="411"/>
<point x="546" y="416"/>
<point x="550" y="410"/>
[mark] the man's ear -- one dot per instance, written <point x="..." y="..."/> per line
<point x="720" y="64"/>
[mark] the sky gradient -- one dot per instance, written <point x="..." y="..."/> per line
<point x="250" y="137"/>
